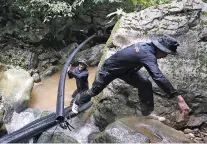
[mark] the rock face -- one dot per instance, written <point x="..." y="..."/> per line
<point x="15" y="88"/>
<point x="139" y="130"/>
<point x="187" y="72"/>
<point x="58" y="137"/>
<point x="17" y="53"/>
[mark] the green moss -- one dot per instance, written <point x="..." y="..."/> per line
<point x="116" y="27"/>
<point x="45" y="113"/>
<point x="175" y="20"/>
<point x="145" y="32"/>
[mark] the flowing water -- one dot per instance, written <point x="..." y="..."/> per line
<point x="83" y="125"/>
<point x="44" y="94"/>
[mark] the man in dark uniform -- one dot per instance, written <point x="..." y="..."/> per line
<point x="126" y="63"/>
<point x="80" y="73"/>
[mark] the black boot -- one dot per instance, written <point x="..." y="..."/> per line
<point x="146" y="109"/>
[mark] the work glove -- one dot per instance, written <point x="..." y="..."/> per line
<point x="83" y="97"/>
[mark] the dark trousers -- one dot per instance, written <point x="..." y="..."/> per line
<point x="74" y="95"/>
<point x="136" y="79"/>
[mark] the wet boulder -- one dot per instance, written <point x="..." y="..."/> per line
<point x="92" y="55"/>
<point x="68" y="50"/>
<point x="139" y="130"/>
<point x="49" y="71"/>
<point x="15" y="88"/>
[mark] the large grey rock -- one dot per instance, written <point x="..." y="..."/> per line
<point x="93" y="55"/>
<point x="57" y="137"/>
<point x="187" y="72"/>
<point x="15" y="88"/>
<point x="140" y="130"/>
<point x="117" y="100"/>
<point x="69" y="49"/>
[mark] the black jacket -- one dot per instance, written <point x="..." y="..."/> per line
<point x="135" y="57"/>
<point x="81" y="78"/>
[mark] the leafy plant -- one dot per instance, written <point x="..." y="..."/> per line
<point x="48" y="9"/>
<point x="116" y="15"/>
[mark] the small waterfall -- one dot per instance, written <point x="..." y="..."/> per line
<point x="20" y="120"/>
<point x="83" y="125"/>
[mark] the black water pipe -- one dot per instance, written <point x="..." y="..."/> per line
<point x="39" y="126"/>
<point x="61" y="86"/>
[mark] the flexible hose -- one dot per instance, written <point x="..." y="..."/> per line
<point x="61" y="86"/>
<point x="39" y="126"/>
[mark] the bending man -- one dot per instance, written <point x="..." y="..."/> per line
<point x="126" y="63"/>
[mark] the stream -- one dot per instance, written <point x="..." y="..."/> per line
<point x="44" y="96"/>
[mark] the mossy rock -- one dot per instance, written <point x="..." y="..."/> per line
<point x="3" y="130"/>
<point x="45" y="113"/>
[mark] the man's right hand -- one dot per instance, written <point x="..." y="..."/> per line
<point x="69" y="68"/>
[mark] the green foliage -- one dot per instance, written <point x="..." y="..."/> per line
<point x="49" y="9"/>
<point x="116" y="15"/>
<point x="119" y="13"/>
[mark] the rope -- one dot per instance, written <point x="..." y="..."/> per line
<point x="53" y="133"/>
